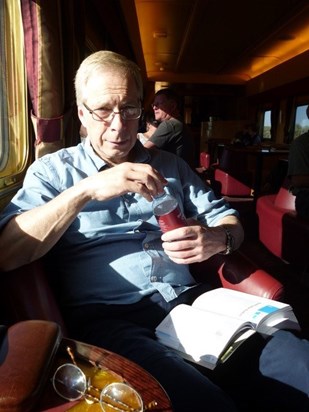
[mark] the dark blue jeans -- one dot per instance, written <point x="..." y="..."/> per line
<point x="263" y="375"/>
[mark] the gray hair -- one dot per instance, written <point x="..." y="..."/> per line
<point x="105" y="60"/>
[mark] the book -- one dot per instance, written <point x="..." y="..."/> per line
<point x="219" y="321"/>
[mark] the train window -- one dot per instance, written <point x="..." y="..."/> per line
<point x="266" y="125"/>
<point x="301" y="124"/>
<point x="14" y="146"/>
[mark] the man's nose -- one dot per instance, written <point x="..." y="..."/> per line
<point x="116" y="121"/>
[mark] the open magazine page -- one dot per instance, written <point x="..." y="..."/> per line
<point x="240" y="305"/>
<point x="202" y="335"/>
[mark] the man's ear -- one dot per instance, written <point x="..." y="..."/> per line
<point x="81" y="114"/>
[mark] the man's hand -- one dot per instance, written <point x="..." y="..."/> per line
<point x="124" y="178"/>
<point x="196" y="243"/>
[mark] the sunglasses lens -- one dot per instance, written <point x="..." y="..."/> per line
<point x="120" y="396"/>
<point x="69" y="382"/>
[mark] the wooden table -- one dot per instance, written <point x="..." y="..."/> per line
<point x="147" y="386"/>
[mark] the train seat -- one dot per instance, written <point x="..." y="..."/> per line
<point x="238" y="272"/>
<point x="229" y="185"/>
<point x="270" y="210"/>
<point x="26" y="294"/>
<point x="205" y="160"/>
<point x="231" y="176"/>
<point x="206" y="168"/>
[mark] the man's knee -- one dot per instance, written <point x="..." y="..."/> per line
<point x="285" y="358"/>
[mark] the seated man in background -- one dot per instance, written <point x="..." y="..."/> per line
<point x="298" y="172"/>
<point x="248" y="136"/>
<point x="172" y="134"/>
<point x="88" y="210"/>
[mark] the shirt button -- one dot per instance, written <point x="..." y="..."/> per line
<point x="146" y="245"/>
<point x="153" y="278"/>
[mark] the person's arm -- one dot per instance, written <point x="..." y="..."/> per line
<point x="149" y="144"/>
<point x="196" y="243"/>
<point x="30" y="235"/>
<point x="161" y="137"/>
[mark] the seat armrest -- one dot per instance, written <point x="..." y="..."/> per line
<point x="237" y="272"/>
<point x="27" y="294"/>
<point x="27" y="353"/>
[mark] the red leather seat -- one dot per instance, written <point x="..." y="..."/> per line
<point x="238" y="272"/>
<point x="270" y="210"/>
<point x="231" y="175"/>
<point x="230" y="186"/>
<point x="26" y="294"/>
<point x="205" y="160"/>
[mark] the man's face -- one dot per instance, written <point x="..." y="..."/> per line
<point x="112" y="139"/>
<point x="163" y="108"/>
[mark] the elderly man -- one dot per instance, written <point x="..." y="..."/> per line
<point x="88" y="210"/>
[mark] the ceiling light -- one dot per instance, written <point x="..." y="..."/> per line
<point x="159" y="34"/>
<point x="161" y="66"/>
<point x="161" y="85"/>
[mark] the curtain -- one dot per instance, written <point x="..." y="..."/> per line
<point x="52" y="50"/>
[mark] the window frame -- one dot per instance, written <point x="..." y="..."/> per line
<point x="298" y="131"/>
<point x="14" y="123"/>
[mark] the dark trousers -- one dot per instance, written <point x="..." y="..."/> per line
<point x="262" y="375"/>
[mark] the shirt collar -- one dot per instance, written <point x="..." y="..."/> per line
<point x="141" y="154"/>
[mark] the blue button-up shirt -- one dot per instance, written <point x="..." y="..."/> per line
<point x="112" y="251"/>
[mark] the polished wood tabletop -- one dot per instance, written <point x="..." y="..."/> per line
<point x="146" y="385"/>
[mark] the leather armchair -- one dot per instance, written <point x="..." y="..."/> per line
<point x="231" y="176"/>
<point x="222" y="175"/>
<point x="27" y="294"/>
<point x="27" y="352"/>
<point x="205" y="160"/>
<point x="229" y="185"/>
<point x="238" y="272"/>
<point x="271" y="210"/>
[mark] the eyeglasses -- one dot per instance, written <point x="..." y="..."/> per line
<point x="71" y="383"/>
<point x="158" y="105"/>
<point x="106" y="115"/>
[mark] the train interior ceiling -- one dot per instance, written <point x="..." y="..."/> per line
<point x="226" y="51"/>
<point x="230" y="62"/>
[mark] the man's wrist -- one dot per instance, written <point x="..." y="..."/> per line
<point x="230" y="241"/>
